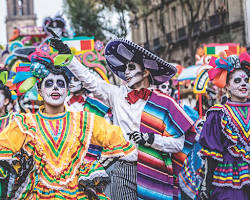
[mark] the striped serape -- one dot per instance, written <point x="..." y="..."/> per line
<point x="157" y="176"/>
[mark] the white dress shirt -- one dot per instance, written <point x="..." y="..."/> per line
<point x="125" y="115"/>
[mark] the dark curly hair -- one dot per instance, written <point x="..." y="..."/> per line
<point x="56" y="70"/>
<point x="243" y="68"/>
<point x="6" y="91"/>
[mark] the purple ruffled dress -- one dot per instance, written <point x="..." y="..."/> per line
<point x="225" y="137"/>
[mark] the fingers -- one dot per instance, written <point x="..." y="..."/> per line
<point x="137" y="137"/>
<point x="134" y="135"/>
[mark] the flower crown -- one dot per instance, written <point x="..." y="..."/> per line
<point x="38" y="68"/>
<point x="223" y="66"/>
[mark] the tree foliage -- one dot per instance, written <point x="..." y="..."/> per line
<point x="85" y="17"/>
<point x="90" y="17"/>
<point x="195" y="11"/>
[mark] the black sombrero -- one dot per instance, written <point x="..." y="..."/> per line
<point x="119" y="51"/>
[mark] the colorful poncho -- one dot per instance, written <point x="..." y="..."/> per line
<point x="58" y="144"/>
<point x="225" y="137"/>
<point x="157" y="176"/>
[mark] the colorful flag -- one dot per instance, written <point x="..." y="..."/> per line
<point x="214" y="49"/>
<point x="80" y="44"/>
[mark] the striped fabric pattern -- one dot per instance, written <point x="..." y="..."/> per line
<point x="236" y="128"/>
<point x="157" y="176"/>
<point x="4" y="121"/>
<point x="58" y="151"/>
<point x="94" y="106"/>
<point x="123" y="179"/>
<point x="91" y="170"/>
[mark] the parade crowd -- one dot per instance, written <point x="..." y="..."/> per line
<point x="89" y="139"/>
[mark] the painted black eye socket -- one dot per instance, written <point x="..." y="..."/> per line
<point x="60" y="83"/>
<point x="246" y="80"/>
<point x="237" y="80"/>
<point x="48" y="83"/>
<point x="163" y="86"/>
<point x="131" y="66"/>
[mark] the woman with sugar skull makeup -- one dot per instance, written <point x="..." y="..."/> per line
<point x="154" y="122"/>
<point x="226" y="132"/>
<point x="56" y="141"/>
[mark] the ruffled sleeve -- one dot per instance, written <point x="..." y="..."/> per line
<point x="211" y="137"/>
<point x="111" y="138"/>
<point x="11" y="140"/>
<point x="91" y="170"/>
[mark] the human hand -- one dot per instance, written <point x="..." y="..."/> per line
<point x="141" y="138"/>
<point x="57" y="43"/>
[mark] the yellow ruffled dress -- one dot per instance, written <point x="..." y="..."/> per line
<point x="58" y="144"/>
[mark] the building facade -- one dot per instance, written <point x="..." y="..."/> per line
<point x="164" y="27"/>
<point x="20" y="13"/>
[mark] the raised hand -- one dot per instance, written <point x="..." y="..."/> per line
<point x="57" y="43"/>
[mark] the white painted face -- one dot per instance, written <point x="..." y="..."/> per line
<point x="133" y="74"/>
<point x="75" y="85"/>
<point x="54" y="89"/>
<point x="238" y="84"/>
<point x="165" y="88"/>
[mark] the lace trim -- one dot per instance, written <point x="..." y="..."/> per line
<point x="235" y="129"/>
<point x="93" y="175"/>
<point x="231" y="185"/>
<point x="215" y="155"/>
<point x="89" y="131"/>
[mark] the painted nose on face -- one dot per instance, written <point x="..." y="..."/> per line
<point x="55" y="88"/>
<point x="243" y="84"/>
<point x="126" y="71"/>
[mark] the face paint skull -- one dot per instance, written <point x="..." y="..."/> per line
<point x="75" y="85"/>
<point x="165" y="88"/>
<point x="54" y="89"/>
<point x="133" y="74"/>
<point x="238" y="85"/>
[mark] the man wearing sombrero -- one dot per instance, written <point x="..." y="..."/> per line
<point x="154" y="122"/>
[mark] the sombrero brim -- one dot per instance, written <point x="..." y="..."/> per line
<point x="119" y="51"/>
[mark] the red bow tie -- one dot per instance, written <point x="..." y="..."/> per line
<point x="135" y="95"/>
<point x="74" y="99"/>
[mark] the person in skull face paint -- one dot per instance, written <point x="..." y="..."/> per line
<point x="154" y="122"/>
<point x="80" y="100"/>
<point x="225" y="138"/>
<point x="57" y="140"/>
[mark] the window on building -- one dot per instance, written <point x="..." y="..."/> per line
<point x="20" y="7"/>
<point x="28" y="7"/>
<point x="14" y="7"/>
<point x="173" y="18"/>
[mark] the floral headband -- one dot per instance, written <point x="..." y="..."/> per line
<point x="223" y="66"/>
<point x="29" y="73"/>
